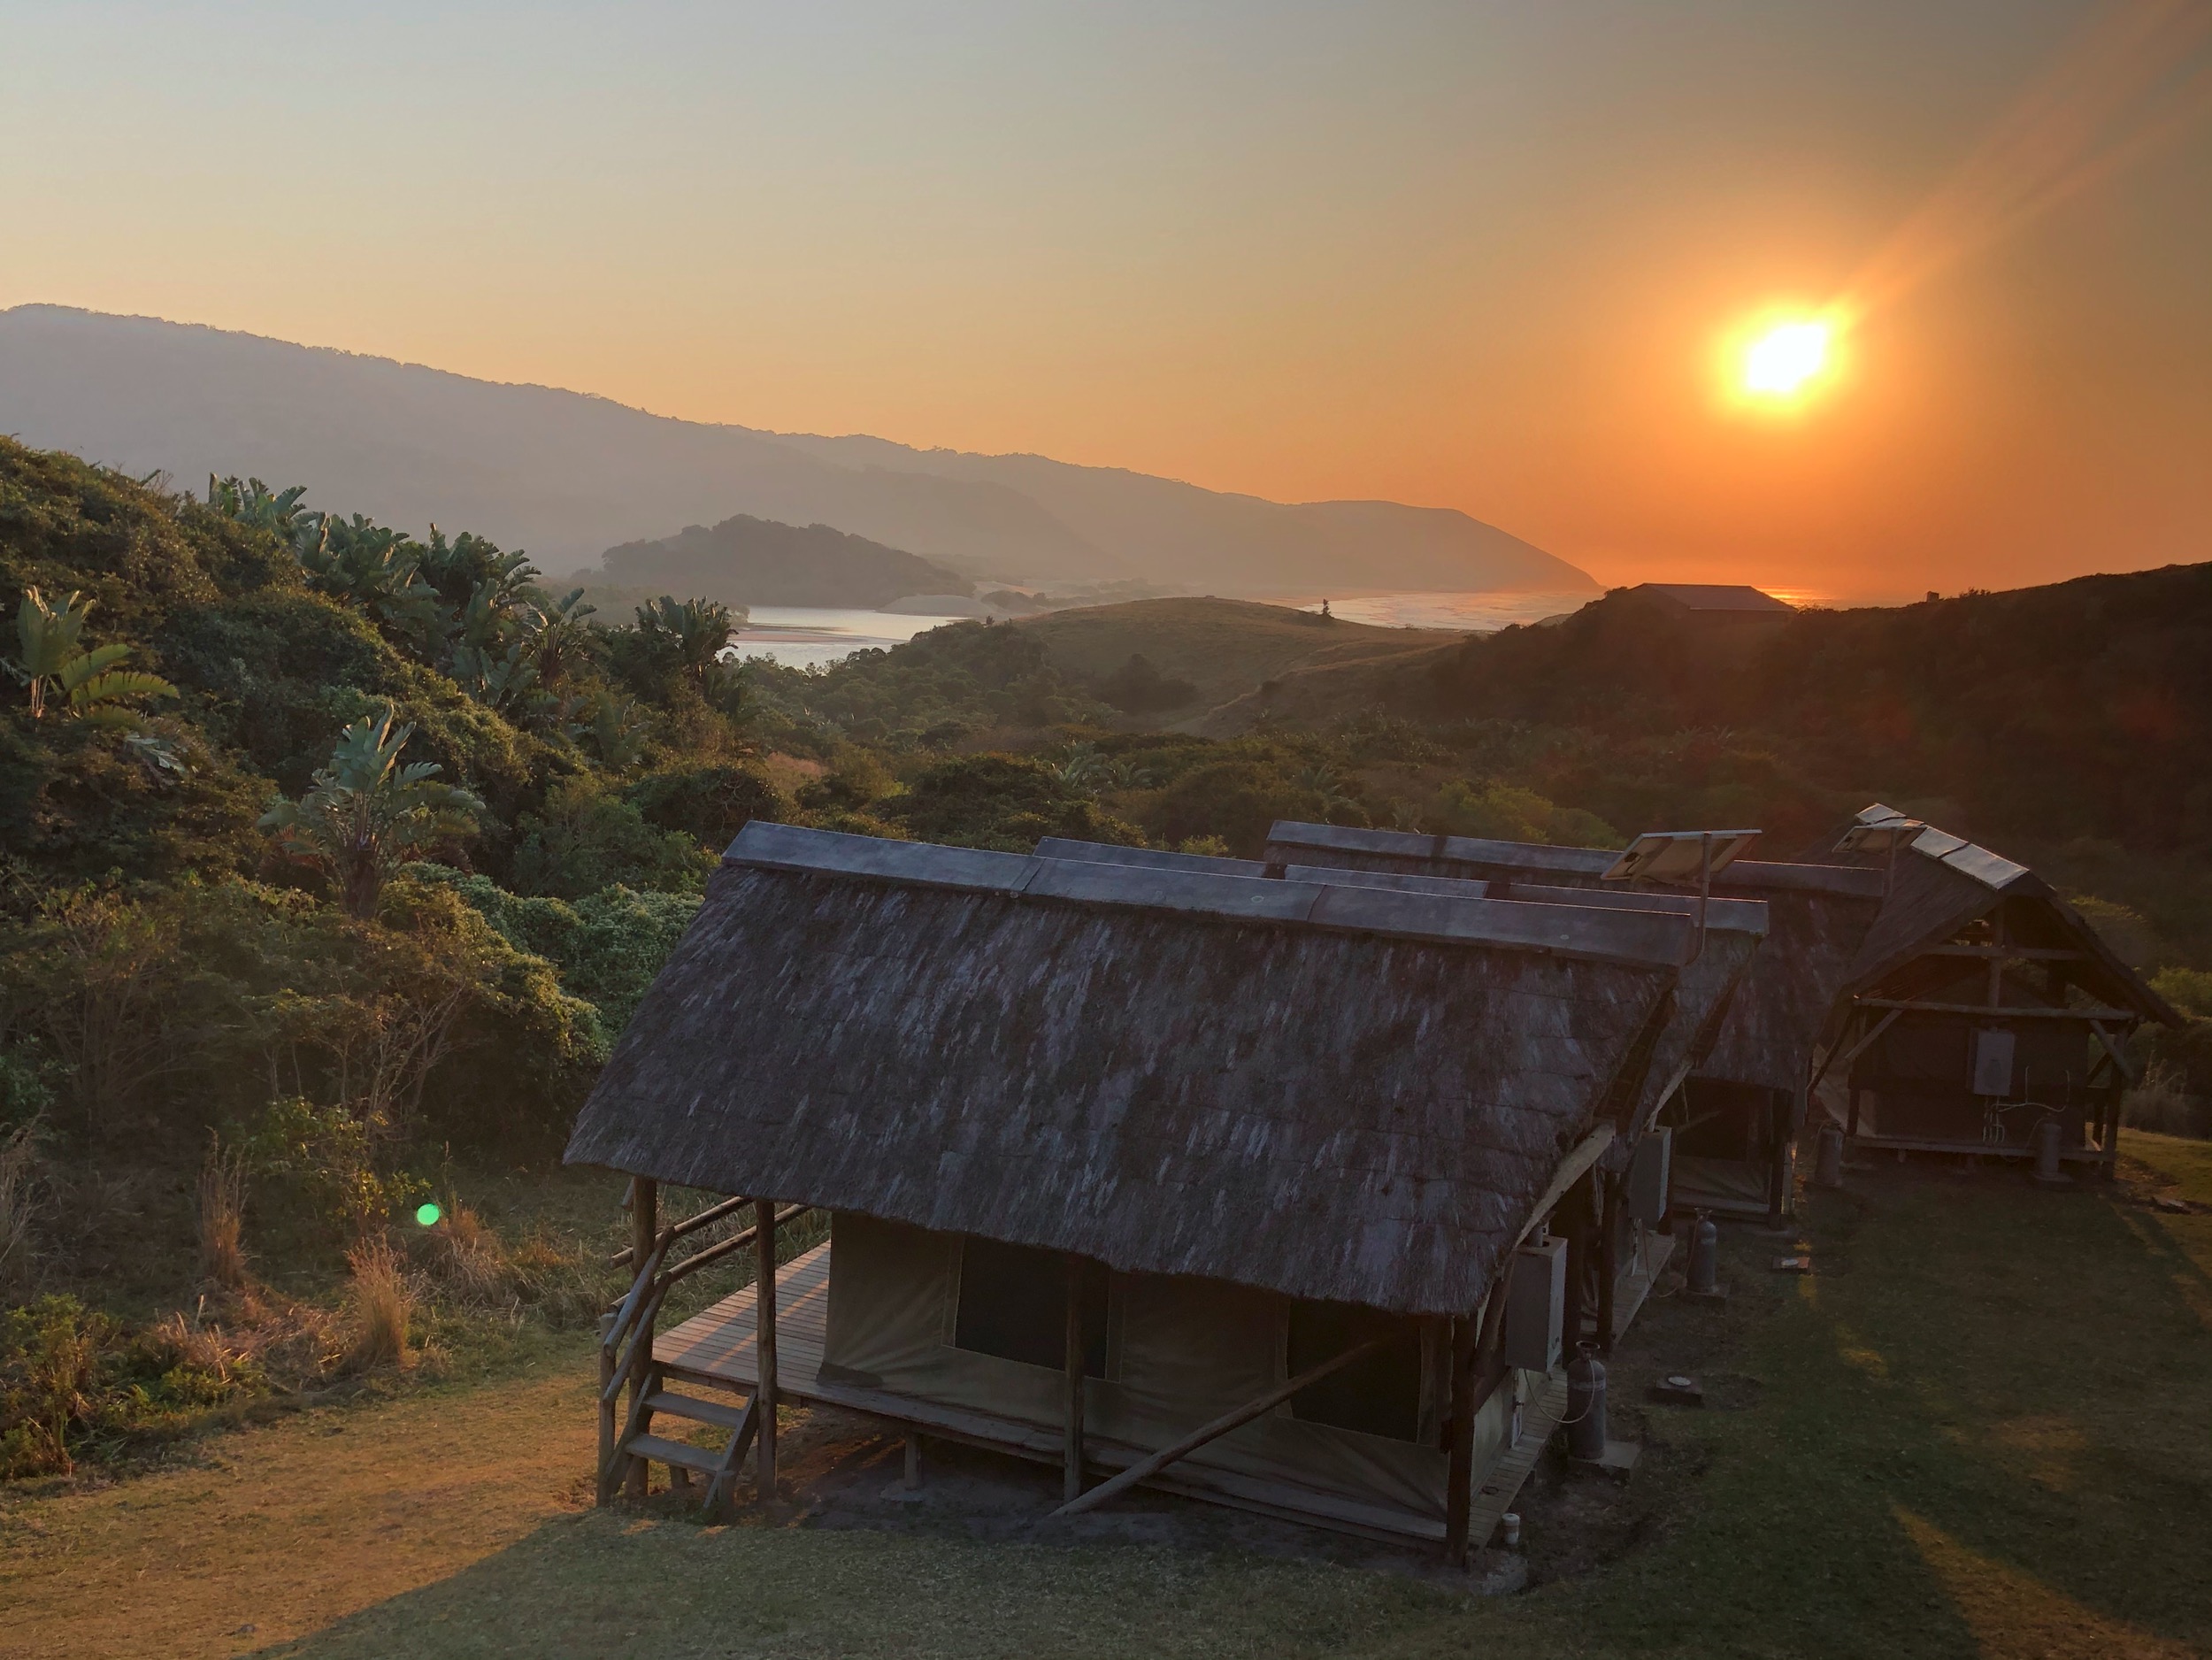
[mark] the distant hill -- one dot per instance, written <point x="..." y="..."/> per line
<point x="2045" y="715"/>
<point x="746" y="561"/>
<point x="565" y="475"/>
<point x="1215" y="648"/>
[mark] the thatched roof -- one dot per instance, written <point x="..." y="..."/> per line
<point x="1331" y="1092"/>
<point x="1709" y="982"/>
<point x="1940" y="882"/>
<point x="1817" y="916"/>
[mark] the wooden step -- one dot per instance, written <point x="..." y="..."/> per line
<point x="699" y="1411"/>
<point x="705" y="1461"/>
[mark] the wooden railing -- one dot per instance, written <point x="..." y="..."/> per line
<point x="625" y="1343"/>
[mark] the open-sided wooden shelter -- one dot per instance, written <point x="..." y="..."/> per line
<point x="1736" y="1113"/>
<point x="1184" y="1175"/>
<point x="1980" y="1004"/>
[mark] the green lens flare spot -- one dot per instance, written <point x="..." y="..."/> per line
<point x="427" y="1215"/>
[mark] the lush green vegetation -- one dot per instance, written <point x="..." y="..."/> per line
<point x="333" y="859"/>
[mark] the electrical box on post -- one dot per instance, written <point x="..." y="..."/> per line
<point x="1649" y="1170"/>
<point x="1536" y="1305"/>
<point x="1993" y="1063"/>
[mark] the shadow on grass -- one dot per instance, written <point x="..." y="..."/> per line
<point x="1984" y="1438"/>
<point x="614" y="1582"/>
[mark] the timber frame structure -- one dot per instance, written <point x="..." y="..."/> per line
<point x="1982" y="1004"/>
<point x="1737" y="1113"/>
<point x="1155" y="1173"/>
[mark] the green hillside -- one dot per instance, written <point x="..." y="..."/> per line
<point x="1219" y="648"/>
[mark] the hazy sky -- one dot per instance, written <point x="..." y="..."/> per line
<point x="1471" y="254"/>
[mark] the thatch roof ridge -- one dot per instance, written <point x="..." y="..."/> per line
<point x="1541" y="861"/>
<point x="1745" y="915"/>
<point x="1462" y="917"/>
<point x="1940" y="882"/>
<point x="1332" y="1113"/>
<point x="1817" y="916"/>
<point x="1734" y="929"/>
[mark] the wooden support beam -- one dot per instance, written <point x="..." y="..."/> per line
<point x="2112" y="1048"/>
<point x="1071" y="1472"/>
<point x="1570" y="1171"/>
<point x="1608" y="1257"/>
<point x="1459" y="1474"/>
<point x="1145" y="1469"/>
<point x="764" y="1339"/>
<point x="1847" y="1056"/>
<point x="644" y="1238"/>
<point x="1994" y="1012"/>
<point x="2015" y="953"/>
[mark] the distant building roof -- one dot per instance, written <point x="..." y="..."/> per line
<point x="1721" y="596"/>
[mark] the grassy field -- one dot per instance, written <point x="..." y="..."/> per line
<point x="1978" y="1430"/>
<point x="1225" y="648"/>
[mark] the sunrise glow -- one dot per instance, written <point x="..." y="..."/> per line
<point x="1785" y="360"/>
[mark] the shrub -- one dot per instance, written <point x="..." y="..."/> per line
<point x="1005" y="801"/>
<point x="72" y="1380"/>
<point x="2159" y="1103"/>
<point x="710" y="803"/>
<point x="588" y="838"/>
<point x="19" y="1205"/>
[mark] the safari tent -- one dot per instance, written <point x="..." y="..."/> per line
<point x="1736" y="1113"/>
<point x="1979" y="1005"/>
<point x="1235" y="1185"/>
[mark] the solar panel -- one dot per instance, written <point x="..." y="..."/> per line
<point x="1678" y="856"/>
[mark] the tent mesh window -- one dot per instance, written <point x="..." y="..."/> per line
<point x="1380" y="1394"/>
<point x="1013" y="1305"/>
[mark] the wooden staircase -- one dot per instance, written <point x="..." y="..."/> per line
<point x="626" y="1362"/>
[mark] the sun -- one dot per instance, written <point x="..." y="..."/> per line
<point x="1781" y="361"/>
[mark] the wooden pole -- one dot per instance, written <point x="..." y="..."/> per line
<point x="644" y="1234"/>
<point x="764" y="1329"/>
<point x="1071" y="1473"/>
<point x="1459" y="1478"/>
<point x="1609" y="1260"/>
<point x="1145" y="1469"/>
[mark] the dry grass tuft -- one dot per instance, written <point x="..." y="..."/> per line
<point x="222" y="1197"/>
<point x="19" y="1203"/>
<point x="381" y="1300"/>
<point x="467" y="1257"/>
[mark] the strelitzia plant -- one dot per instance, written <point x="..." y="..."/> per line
<point x="92" y="685"/>
<point x="366" y="814"/>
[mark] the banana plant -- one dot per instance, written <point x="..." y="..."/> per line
<point x="91" y="686"/>
<point x="250" y="502"/>
<point x="366" y="814"/>
<point x="698" y="628"/>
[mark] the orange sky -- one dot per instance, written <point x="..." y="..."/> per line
<point x="1478" y="256"/>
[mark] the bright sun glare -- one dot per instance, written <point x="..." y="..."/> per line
<point x="1779" y="362"/>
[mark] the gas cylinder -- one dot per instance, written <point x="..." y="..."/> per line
<point x="1828" y="1168"/>
<point x="1585" y="1404"/>
<point x="1704" y="1258"/>
<point x="2048" y="1136"/>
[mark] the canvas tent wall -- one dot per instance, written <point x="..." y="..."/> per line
<point x="1980" y="1004"/>
<point x="1267" y="1112"/>
<point x="1738" y="1111"/>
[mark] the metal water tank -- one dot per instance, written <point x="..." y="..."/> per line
<point x="1585" y="1404"/>
<point x="1828" y="1166"/>
<point x="1704" y="1257"/>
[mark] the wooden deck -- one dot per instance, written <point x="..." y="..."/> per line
<point x="716" y="1347"/>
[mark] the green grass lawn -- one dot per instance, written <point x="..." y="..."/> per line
<point x="1980" y="1429"/>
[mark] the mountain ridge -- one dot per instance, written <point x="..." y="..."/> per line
<point x="570" y="474"/>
